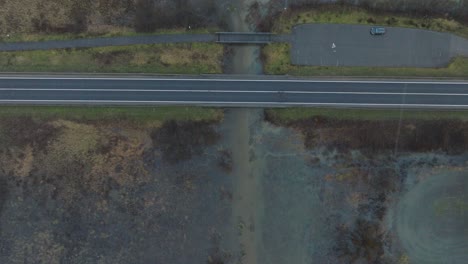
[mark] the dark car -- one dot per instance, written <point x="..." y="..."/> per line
<point x="377" y="31"/>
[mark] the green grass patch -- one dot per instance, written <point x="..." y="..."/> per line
<point x="339" y="14"/>
<point x="113" y="32"/>
<point x="286" y="115"/>
<point x="140" y="114"/>
<point x="188" y="58"/>
<point x="452" y="205"/>
<point x="277" y="61"/>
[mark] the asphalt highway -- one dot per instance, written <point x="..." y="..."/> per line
<point x="230" y="91"/>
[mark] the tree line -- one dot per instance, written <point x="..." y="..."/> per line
<point x="77" y="16"/>
<point x="457" y="9"/>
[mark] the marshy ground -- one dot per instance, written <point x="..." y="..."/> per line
<point x="242" y="190"/>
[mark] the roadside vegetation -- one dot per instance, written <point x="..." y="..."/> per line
<point x="343" y="14"/>
<point x="39" y="20"/>
<point x="277" y="61"/>
<point x="109" y="32"/>
<point x="288" y="115"/>
<point x="135" y="114"/>
<point x="374" y="131"/>
<point x="189" y="58"/>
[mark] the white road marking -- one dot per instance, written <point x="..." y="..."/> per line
<point x="229" y="91"/>
<point x="232" y="103"/>
<point x="234" y="80"/>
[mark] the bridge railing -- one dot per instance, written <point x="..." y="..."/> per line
<point x="243" y="37"/>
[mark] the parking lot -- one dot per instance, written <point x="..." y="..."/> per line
<point x="353" y="45"/>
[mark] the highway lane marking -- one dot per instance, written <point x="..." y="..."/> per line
<point x="227" y="91"/>
<point x="232" y="103"/>
<point x="233" y="80"/>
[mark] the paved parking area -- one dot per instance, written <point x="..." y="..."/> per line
<point x="353" y="45"/>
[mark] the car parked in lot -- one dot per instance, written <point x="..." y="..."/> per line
<point x="377" y="31"/>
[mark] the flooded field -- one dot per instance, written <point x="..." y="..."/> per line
<point x="240" y="190"/>
<point x="324" y="204"/>
<point x="431" y="218"/>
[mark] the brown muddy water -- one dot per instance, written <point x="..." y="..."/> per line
<point x="287" y="204"/>
<point x="431" y="218"/>
<point x="248" y="171"/>
<point x="298" y="205"/>
<point x="281" y="203"/>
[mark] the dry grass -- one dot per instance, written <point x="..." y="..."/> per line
<point x="72" y="158"/>
<point x="277" y="61"/>
<point x="354" y="15"/>
<point x="287" y="115"/>
<point x="122" y="159"/>
<point x="448" y="135"/>
<point x="24" y="16"/>
<point x="81" y="157"/>
<point x="24" y="163"/>
<point x="35" y="20"/>
<point x="41" y="247"/>
<point x="100" y="31"/>
<point x="75" y="144"/>
<point x="135" y="116"/>
<point x="194" y="58"/>
<point x="75" y="141"/>
<point x="18" y="15"/>
<point x="404" y="259"/>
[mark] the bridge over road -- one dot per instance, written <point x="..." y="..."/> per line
<point x="243" y="37"/>
<point x="220" y="37"/>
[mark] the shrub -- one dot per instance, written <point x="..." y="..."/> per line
<point x="361" y="244"/>
<point x="391" y="21"/>
<point x="371" y="20"/>
<point x="179" y="141"/>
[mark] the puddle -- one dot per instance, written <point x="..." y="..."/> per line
<point x="432" y="219"/>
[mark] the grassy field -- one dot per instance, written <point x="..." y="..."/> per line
<point x="109" y="32"/>
<point x="188" y="58"/>
<point x="277" y="61"/>
<point x="139" y="114"/>
<point x="286" y="115"/>
<point x="353" y="15"/>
